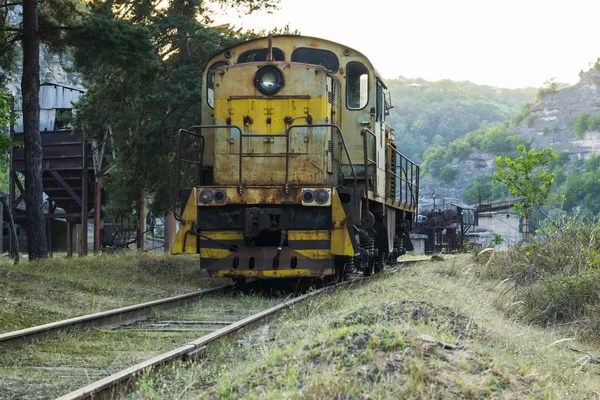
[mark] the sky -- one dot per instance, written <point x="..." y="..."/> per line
<point x="504" y="43"/>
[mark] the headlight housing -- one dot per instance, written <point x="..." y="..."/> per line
<point x="308" y="196"/>
<point x="206" y="196"/>
<point x="319" y="197"/>
<point x="220" y="195"/>
<point x="322" y="196"/>
<point x="268" y="80"/>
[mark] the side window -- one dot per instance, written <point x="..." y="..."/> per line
<point x="210" y="82"/>
<point x="357" y="85"/>
<point x="380" y="102"/>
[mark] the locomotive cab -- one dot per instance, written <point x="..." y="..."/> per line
<point x="278" y="193"/>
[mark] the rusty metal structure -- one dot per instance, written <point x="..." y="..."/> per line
<point x="293" y="171"/>
<point x="445" y="227"/>
<point x="67" y="167"/>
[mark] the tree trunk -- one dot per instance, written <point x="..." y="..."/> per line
<point x="30" y="87"/>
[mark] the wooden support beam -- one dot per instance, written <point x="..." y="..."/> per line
<point x="18" y="182"/>
<point x="97" y="219"/>
<point x="49" y="237"/>
<point x="63" y="215"/>
<point x="141" y="222"/>
<point x="17" y="201"/>
<point x="68" y="188"/>
<point x="84" y="199"/>
<point x="69" y="240"/>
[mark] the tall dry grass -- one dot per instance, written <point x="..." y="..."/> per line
<point x="554" y="280"/>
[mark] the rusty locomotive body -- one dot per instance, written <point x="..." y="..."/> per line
<point x="298" y="174"/>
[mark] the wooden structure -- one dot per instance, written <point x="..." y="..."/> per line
<point x="68" y="180"/>
<point x="67" y="167"/>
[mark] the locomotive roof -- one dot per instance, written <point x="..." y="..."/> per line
<point x="303" y="38"/>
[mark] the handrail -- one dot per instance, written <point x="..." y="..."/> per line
<point x="190" y="131"/>
<point x="367" y="160"/>
<point x="179" y="149"/>
<point x="412" y="183"/>
<point x="341" y="135"/>
<point x="266" y="135"/>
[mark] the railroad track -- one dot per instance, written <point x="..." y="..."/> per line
<point x="146" y="336"/>
<point x="119" y="316"/>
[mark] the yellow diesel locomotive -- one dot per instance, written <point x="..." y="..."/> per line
<point x="297" y="172"/>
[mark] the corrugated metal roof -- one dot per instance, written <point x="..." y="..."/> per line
<point x="55" y="95"/>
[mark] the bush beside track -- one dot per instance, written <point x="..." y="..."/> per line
<point x="552" y="281"/>
<point x="432" y="330"/>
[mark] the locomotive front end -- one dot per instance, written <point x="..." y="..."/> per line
<point x="270" y="204"/>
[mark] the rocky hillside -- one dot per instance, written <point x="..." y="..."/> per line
<point x="548" y="122"/>
<point x="551" y="120"/>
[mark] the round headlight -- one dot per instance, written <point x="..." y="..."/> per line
<point x="220" y="195"/>
<point x="308" y="196"/>
<point x="268" y="80"/>
<point x="322" y="196"/>
<point x="206" y="196"/>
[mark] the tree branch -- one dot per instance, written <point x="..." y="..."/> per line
<point x="17" y="3"/>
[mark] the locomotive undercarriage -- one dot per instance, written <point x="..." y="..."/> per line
<point x="289" y="241"/>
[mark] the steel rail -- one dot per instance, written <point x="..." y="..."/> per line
<point x="113" y="385"/>
<point x="114" y="317"/>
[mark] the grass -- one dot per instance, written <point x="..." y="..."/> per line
<point x="552" y="281"/>
<point x="33" y="293"/>
<point x="434" y="330"/>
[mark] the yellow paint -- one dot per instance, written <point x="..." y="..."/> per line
<point x="188" y="222"/>
<point x="213" y="253"/>
<point x="315" y="254"/>
<point x="223" y="235"/>
<point x="259" y="109"/>
<point x="270" y="273"/>
<point x="309" y="235"/>
<point x="340" y="239"/>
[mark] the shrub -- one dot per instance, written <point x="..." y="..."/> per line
<point x="555" y="278"/>
<point x="580" y="125"/>
<point x="448" y="174"/>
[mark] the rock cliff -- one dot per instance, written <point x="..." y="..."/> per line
<point x="552" y="119"/>
<point x="549" y="124"/>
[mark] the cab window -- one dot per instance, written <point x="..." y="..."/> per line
<point x="210" y="82"/>
<point x="322" y="57"/>
<point x="357" y="85"/>
<point x="257" y="55"/>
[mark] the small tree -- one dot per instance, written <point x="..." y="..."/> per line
<point x="527" y="177"/>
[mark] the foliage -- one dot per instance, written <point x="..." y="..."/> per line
<point x="448" y="174"/>
<point x="556" y="277"/>
<point x="495" y="140"/>
<point x="586" y="122"/>
<point x="481" y="189"/>
<point x="550" y="86"/>
<point x="428" y="114"/>
<point x="523" y="114"/>
<point x="144" y="63"/>
<point x="5" y="142"/>
<point x="580" y="191"/>
<point x="526" y="176"/>
<point x="497" y="239"/>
